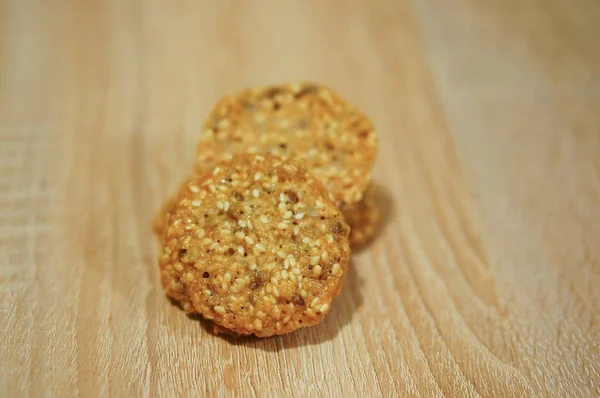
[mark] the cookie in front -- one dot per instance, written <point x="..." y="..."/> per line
<point x="256" y="244"/>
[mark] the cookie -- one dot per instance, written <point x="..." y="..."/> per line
<point x="257" y="245"/>
<point x="364" y="218"/>
<point x="305" y="122"/>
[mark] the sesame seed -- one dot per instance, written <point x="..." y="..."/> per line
<point x="222" y="188"/>
<point x="329" y="238"/>
<point x="216" y="170"/>
<point x="296" y="230"/>
<point x="249" y="223"/>
<point x="314" y="260"/>
<point x="292" y="260"/>
<point x="220" y="205"/>
<point x="189" y="277"/>
<point x="324" y="255"/>
<point x="252" y="266"/>
<point x="263" y="219"/>
<point x="284" y="274"/>
<point x="206" y="292"/>
<point x="257" y="176"/>
<point x="255" y="193"/>
<point x="281" y="197"/>
<point x="227" y="276"/>
<point x="303" y="293"/>
<point x="281" y="254"/>
<point x="287" y="318"/>
<point x="249" y="240"/>
<point x="196" y="203"/>
<point x="260" y="314"/>
<point x="306" y="239"/>
<point x="178" y="267"/>
<point x="336" y="268"/>
<point x="240" y="234"/>
<point x="242" y="223"/>
<point x="292" y="277"/>
<point x="219" y="309"/>
<point x="275" y="291"/>
<point x="317" y="270"/>
<point x="260" y="158"/>
<point x="282" y="206"/>
<point x="324" y="307"/>
<point x="274" y="280"/>
<point x="276" y="312"/>
<point x="319" y="203"/>
<point x="202" y="194"/>
<point x="226" y="205"/>
<point x="234" y="289"/>
<point x="314" y="301"/>
<point x="258" y="325"/>
<point x="296" y="270"/>
<point x="286" y="263"/>
<point x="299" y="216"/>
<point x="288" y="214"/>
<point x="240" y="249"/>
<point x="260" y="247"/>
<point x="282" y="225"/>
<point x="194" y="189"/>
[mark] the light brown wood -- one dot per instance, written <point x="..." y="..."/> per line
<point x="484" y="280"/>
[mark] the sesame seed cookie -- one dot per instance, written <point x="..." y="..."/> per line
<point x="257" y="245"/>
<point x="305" y="122"/>
<point x="363" y="218"/>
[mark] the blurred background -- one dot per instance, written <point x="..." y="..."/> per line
<point x="483" y="280"/>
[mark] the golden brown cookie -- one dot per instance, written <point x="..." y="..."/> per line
<point x="304" y="122"/>
<point x="364" y="218"/>
<point x="257" y="244"/>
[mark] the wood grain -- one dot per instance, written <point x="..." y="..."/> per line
<point x="483" y="281"/>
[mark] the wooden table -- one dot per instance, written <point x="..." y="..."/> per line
<point x="484" y="280"/>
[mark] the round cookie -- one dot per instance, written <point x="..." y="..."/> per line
<point x="305" y="122"/>
<point x="257" y="244"/>
<point x="363" y="218"/>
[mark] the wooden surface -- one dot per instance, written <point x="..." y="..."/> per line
<point x="485" y="279"/>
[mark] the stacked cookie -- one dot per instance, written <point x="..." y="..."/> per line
<point x="257" y="239"/>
